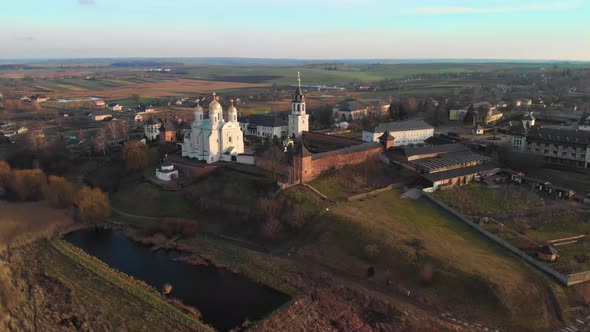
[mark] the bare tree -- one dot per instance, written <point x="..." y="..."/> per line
<point x="123" y="129"/>
<point x="100" y="141"/>
<point x="113" y="130"/>
<point x="274" y="155"/>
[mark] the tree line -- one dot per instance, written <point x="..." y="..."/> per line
<point x="92" y="204"/>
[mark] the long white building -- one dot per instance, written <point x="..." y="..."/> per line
<point x="404" y="132"/>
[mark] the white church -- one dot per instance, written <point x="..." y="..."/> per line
<point x="298" y="119"/>
<point x="214" y="139"/>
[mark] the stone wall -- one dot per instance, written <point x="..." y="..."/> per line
<point x="312" y="166"/>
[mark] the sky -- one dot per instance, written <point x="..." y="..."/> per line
<point x="297" y="29"/>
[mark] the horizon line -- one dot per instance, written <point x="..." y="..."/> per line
<point x="297" y="59"/>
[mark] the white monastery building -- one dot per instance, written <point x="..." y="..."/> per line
<point x="405" y="132"/>
<point x="214" y="139"/>
<point x="298" y="119"/>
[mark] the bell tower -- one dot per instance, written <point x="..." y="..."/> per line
<point x="298" y="119"/>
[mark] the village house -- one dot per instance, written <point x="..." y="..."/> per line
<point x="100" y="103"/>
<point x="151" y="129"/>
<point x="261" y="125"/>
<point x="405" y="132"/>
<point x="101" y="115"/>
<point x="493" y="115"/>
<point x="38" y="98"/>
<point x="584" y="123"/>
<point x="457" y="115"/>
<point x="114" y="107"/>
<point x="350" y="111"/>
<point x="523" y="102"/>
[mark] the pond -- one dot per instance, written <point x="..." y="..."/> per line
<point x="224" y="298"/>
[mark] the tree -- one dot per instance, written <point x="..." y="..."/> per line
<point x="93" y="205"/>
<point x="60" y="192"/>
<point x="136" y="156"/>
<point x="35" y="140"/>
<point x="123" y="129"/>
<point x="136" y="97"/>
<point x="113" y="130"/>
<point x="28" y="184"/>
<point x="271" y="228"/>
<point x="274" y="155"/>
<point x="100" y="141"/>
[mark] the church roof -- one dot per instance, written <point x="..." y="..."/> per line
<point x="264" y="120"/>
<point x="517" y="129"/>
<point x="215" y="106"/>
<point x="298" y="96"/>
<point x="170" y="124"/>
<point x="401" y="126"/>
<point x="198" y="108"/>
<point x="386" y="136"/>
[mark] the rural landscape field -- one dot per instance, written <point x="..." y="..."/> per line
<point x="270" y="166"/>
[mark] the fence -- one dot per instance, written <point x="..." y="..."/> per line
<point x="128" y="284"/>
<point x="565" y="280"/>
<point x="370" y="193"/>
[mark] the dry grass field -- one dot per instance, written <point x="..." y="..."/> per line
<point x="23" y="223"/>
<point x="473" y="276"/>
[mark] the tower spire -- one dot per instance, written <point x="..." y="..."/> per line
<point x="299" y="80"/>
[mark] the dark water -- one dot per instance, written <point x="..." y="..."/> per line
<point x="224" y="298"/>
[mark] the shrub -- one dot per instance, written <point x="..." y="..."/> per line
<point x="426" y="274"/>
<point x="5" y="172"/>
<point x="166" y="289"/>
<point x="60" y="192"/>
<point x="372" y="251"/>
<point x="28" y="184"/>
<point x="271" y="228"/>
<point x="185" y="228"/>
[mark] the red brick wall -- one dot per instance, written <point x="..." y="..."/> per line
<point x="310" y="169"/>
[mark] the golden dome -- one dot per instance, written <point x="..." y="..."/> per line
<point x="215" y="106"/>
<point x="232" y="108"/>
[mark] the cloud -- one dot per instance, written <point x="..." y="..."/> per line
<point x="87" y="2"/>
<point x="494" y="10"/>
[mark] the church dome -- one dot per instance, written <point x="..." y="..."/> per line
<point x="215" y="106"/>
<point x="198" y="108"/>
<point x="232" y="108"/>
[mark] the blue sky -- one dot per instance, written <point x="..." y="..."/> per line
<point x="318" y="29"/>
